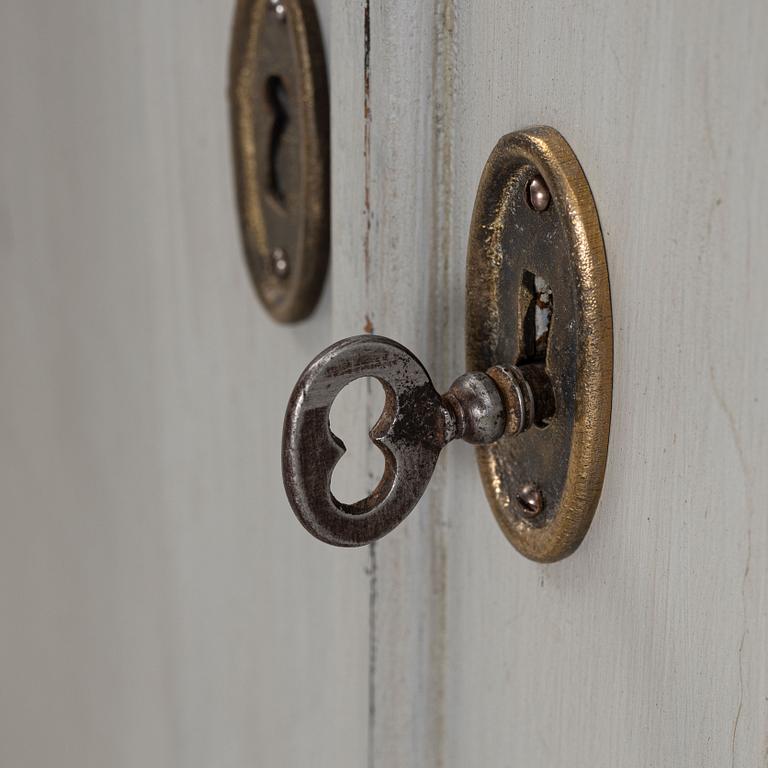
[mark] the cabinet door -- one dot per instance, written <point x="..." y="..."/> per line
<point x="647" y="646"/>
<point x="159" y="604"/>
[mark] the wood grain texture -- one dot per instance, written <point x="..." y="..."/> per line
<point x="646" y="647"/>
<point x="408" y="273"/>
<point x="160" y="604"/>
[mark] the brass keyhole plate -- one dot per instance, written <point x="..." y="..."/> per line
<point x="552" y="254"/>
<point x="280" y="136"/>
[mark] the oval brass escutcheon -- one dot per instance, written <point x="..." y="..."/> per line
<point x="537" y="292"/>
<point x="280" y="132"/>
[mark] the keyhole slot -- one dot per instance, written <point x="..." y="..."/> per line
<point x="536" y="303"/>
<point x="536" y="306"/>
<point x="361" y="468"/>
<point x="277" y="99"/>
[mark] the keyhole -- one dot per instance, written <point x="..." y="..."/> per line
<point x="277" y="98"/>
<point x="361" y="468"/>
<point x="536" y="304"/>
<point x="536" y="310"/>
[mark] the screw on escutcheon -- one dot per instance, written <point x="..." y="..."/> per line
<point x="531" y="500"/>
<point x="280" y="265"/>
<point x="278" y="8"/>
<point x="538" y="194"/>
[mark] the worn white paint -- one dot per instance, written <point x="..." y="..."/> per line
<point x="161" y="606"/>
<point x="648" y="646"/>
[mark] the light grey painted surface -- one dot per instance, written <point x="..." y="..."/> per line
<point x="159" y="603"/>
<point x="648" y="646"/>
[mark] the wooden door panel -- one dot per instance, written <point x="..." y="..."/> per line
<point x="645" y="647"/>
<point x="160" y="604"/>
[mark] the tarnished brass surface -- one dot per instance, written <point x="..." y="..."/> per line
<point x="280" y="134"/>
<point x="512" y="239"/>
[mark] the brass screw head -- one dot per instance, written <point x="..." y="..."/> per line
<point x="280" y="265"/>
<point x="531" y="500"/>
<point x="278" y="8"/>
<point x="538" y="194"/>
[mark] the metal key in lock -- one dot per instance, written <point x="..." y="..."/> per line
<point x="415" y="425"/>
<point x="537" y="399"/>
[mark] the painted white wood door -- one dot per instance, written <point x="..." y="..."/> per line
<point x="648" y="646"/>
<point x="159" y="603"/>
